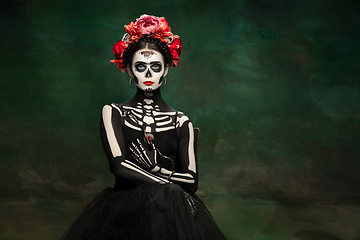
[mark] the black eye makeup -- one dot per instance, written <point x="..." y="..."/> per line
<point x="140" y="67"/>
<point x="156" y="67"/>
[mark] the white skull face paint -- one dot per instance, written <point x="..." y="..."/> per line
<point x="148" y="68"/>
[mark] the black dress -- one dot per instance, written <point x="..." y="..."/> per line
<point x="146" y="210"/>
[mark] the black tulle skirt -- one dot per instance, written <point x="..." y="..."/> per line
<point x="148" y="211"/>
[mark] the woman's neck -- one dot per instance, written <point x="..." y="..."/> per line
<point x="155" y="96"/>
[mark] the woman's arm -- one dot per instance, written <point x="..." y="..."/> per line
<point x="187" y="177"/>
<point x="115" y="148"/>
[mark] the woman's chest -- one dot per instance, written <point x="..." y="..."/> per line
<point x="139" y="123"/>
<point x="149" y="119"/>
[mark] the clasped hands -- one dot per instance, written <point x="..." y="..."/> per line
<point x="146" y="156"/>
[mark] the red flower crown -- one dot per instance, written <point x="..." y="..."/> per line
<point x="156" y="27"/>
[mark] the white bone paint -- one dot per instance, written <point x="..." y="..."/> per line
<point x="131" y="108"/>
<point x="162" y="118"/>
<point x="164" y="129"/>
<point x="164" y="113"/>
<point x="135" y="168"/>
<point x="182" y="180"/>
<point x="131" y="126"/>
<point x="141" y="121"/>
<point x="118" y="109"/>
<point x="148" y="101"/>
<point x="110" y="134"/>
<point x="192" y="163"/>
<point x="136" y="114"/>
<point x="182" y="119"/>
<point x="164" y="123"/>
<point x="148" y="120"/>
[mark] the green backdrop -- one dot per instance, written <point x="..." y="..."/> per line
<point x="272" y="85"/>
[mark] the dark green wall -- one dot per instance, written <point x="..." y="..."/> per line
<point x="273" y="86"/>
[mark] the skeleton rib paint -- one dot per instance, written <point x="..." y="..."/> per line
<point x="139" y="121"/>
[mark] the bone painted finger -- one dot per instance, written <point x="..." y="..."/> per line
<point x="144" y="160"/>
<point x="131" y="149"/>
<point x="155" y="156"/>
<point x="140" y="145"/>
<point x="136" y="148"/>
<point x="144" y="153"/>
<point x="140" y="160"/>
<point x="145" y="163"/>
<point x="147" y="159"/>
<point x="136" y="156"/>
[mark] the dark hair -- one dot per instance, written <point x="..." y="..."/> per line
<point x="152" y="43"/>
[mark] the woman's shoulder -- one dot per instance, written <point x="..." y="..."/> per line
<point x="108" y="109"/>
<point x="181" y="118"/>
<point x="112" y="105"/>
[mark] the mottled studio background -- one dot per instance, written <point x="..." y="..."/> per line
<point x="273" y="86"/>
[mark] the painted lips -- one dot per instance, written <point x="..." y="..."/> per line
<point x="148" y="83"/>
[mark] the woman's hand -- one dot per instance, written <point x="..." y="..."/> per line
<point x="146" y="156"/>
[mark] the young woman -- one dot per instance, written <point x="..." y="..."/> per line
<point x="150" y="148"/>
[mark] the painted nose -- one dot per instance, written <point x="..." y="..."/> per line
<point x="148" y="74"/>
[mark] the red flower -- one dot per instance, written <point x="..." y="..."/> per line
<point x="132" y="29"/>
<point x="155" y="27"/>
<point x="175" y="47"/>
<point x="148" y="24"/>
<point x="119" y="63"/>
<point x="175" y="62"/>
<point x="118" y="49"/>
<point x="164" y="24"/>
<point x="162" y="35"/>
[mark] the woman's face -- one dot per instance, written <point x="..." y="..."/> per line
<point x="148" y="68"/>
